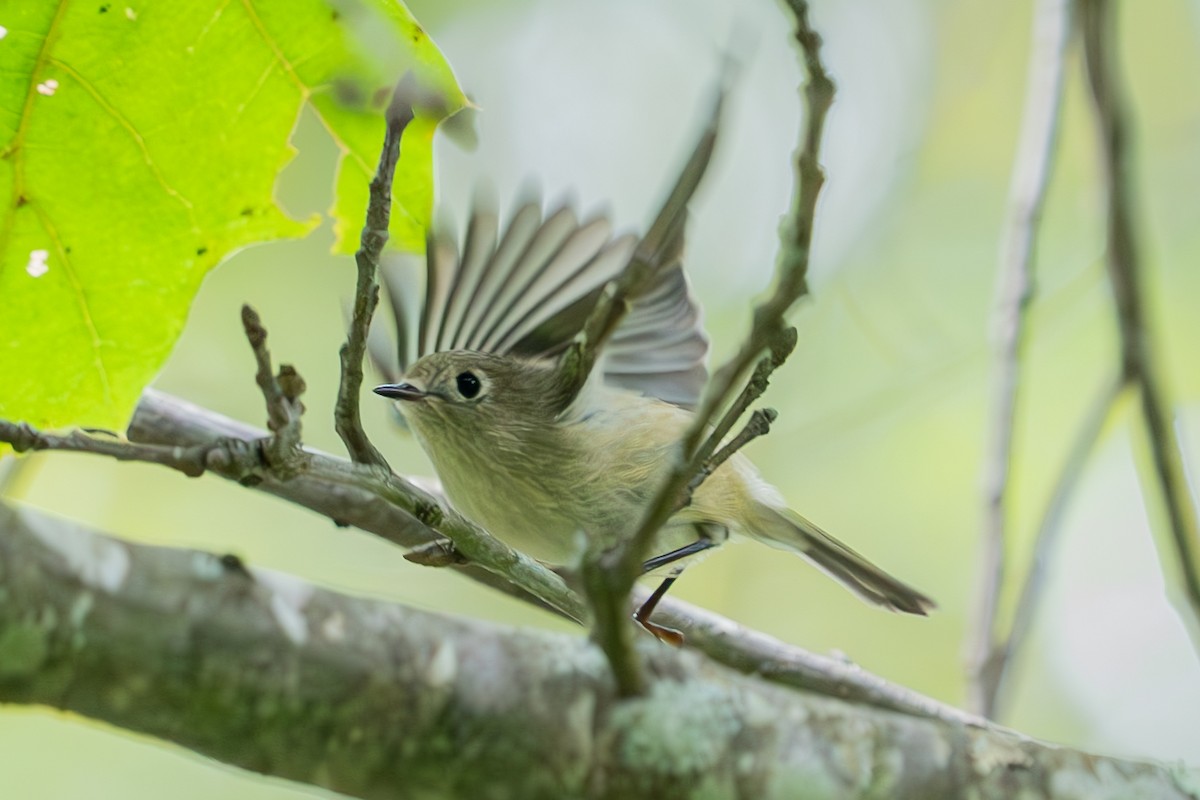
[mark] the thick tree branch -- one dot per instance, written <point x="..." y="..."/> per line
<point x="262" y="671"/>
<point x="1014" y="291"/>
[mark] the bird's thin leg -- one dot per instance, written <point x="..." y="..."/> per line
<point x="642" y="615"/>
<point x="698" y="546"/>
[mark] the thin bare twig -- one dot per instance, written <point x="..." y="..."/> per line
<point x="756" y="653"/>
<point x="469" y="541"/>
<point x="706" y="459"/>
<point x="606" y="579"/>
<point x="791" y="285"/>
<point x="1031" y="173"/>
<point x="609" y="576"/>
<point x="604" y="576"/>
<point x="282" y="449"/>
<point x="347" y="419"/>
<point x="24" y="439"/>
<point x="758" y="425"/>
<point x="604" y="585"/>
<point x="1112" y="119"/>
<point x="236" y="459"/>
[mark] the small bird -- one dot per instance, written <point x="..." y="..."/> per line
<point x="541" y="457"/>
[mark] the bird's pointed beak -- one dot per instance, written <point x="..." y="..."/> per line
<point x="401" y="391"/>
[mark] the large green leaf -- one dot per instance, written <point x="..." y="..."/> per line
<point x="139" y="146"/>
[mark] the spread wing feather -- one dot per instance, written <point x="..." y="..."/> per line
<point x="479" y="246"/>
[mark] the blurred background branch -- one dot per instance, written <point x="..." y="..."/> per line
<point x="1181" y="558"/>
<point x="990" y="653"/>
<point x="1014" y="291"/>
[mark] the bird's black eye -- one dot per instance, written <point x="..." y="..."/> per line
<point x="468" y="384"/>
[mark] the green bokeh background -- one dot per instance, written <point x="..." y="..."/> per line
<point x="882" y="407"/>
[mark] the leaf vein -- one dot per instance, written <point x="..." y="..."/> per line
<point x="138" y="140"/>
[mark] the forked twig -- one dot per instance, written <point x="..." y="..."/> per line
<point x="281" y="392"/>
<point x="1125" y="273"/>
<point x="707" y="458"/>
<point x="609" y="576"/>
<point x="767" y="328"/>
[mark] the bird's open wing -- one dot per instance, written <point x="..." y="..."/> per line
<point x="529" y="290"/>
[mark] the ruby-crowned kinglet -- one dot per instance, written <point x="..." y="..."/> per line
<point x="541" y="458"/>
<point x="537" y="465"/>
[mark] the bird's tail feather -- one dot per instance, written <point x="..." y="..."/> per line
<point x="788" y="530"/>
